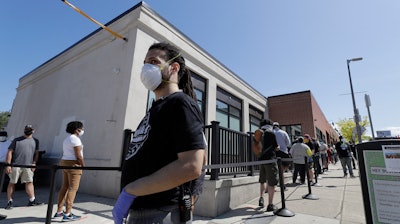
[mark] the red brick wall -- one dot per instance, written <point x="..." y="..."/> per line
<point x="300" y="109"/>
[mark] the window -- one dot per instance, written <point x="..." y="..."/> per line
<point x="199" y="87"/>
<point x="255" y="117"/>
<point x="229" y="110"/>
<point x="293" y="131"/>
<point x="320" y="136"/>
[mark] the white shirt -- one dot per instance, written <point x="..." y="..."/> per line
<point x="299" y="151"/>
<point x="283" y="140"/>
<point x="68" y="147"/>
<point x="4" y="149"/>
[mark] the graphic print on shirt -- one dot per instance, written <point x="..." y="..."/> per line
<point x="139" y="137"/>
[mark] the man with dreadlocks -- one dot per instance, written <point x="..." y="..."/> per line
<point x="167" y="152"/>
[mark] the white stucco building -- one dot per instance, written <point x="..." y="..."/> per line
<point x="97" y="81"/>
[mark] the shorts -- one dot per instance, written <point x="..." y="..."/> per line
<point x="26" y="175"/>
<point x="283" y="156"/>
<point x="269" y="174"/>
<point x="310" y="165"/>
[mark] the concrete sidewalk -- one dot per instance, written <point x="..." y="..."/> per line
<point x="340" y="201"/>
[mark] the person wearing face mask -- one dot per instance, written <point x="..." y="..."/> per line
<point x="23" y="150"/>
<point x="165" y="157"/>
<point x="4" y="143"/>
<point x="72" y="156"/>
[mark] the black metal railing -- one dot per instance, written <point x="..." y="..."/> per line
<point x="228" y="153"/>
<point x="228" y="146"/>
<point x="224" y="146"/>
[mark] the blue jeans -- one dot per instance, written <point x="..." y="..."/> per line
<point x="346" y="163"/>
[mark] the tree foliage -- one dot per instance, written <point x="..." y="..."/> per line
<point x="346" y="127"/>
<point x="4" y="118"/>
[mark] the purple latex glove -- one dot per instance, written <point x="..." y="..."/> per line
<point x="122" y="206"/>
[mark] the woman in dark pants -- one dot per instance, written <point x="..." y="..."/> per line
<point x="299" y="151"/>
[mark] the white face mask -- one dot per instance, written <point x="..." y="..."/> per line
<point x="81" y="132"/>
<point x="3" y="138"/>
<point x="151" y="76"/>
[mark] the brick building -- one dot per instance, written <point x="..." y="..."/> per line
<point x="298" y="114"/>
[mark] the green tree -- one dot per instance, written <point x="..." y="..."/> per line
<point x="4" y="118"/>
<point x="346" y="127"/>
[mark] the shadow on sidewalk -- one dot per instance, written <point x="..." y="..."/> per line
<point x="23" y="220"/>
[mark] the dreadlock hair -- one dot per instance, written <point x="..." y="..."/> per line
<point x="184" y="77"/>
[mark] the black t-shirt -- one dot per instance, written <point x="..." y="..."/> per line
<point x="316" y="147"/>
<point x="310" y="145"/>
<point x="172" y="125"/>
<point x="343" y="149"/>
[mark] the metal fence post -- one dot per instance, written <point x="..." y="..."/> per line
<point x="250" y="152"/>
<point x="2" y="174"/>
<point x="309" y="195"/>
<point x="215" y="150"/>
<point x="51" y="196"/>
<point x="282" y="211"/>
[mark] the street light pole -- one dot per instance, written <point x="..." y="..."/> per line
<point x="356" y="115"/>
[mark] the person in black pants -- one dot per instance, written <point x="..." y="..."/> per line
<point x="353" y="153"/>
<point x="299" y="151"/>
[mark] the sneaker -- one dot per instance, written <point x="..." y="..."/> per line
<point x="58" y="215"/>
<point x="345" y="175"/>
<point x="261" y="202"/>
<point x="352" y="176"/>
<point x="9" y="205"/>
<point x="34" y="203"/>
<point x="271" y="208"/>
<point x="70" y="217"/>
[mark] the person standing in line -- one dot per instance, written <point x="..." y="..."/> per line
<point x="299" y="151"/>
<point x="329" y="152"/>
<point x="163" y="166"/>
<point x="353" y="153"/>
<point x="72" y="156"/>
<point x="344" y="153"/>
<point x="334" y="154"/>
<point x="284" y="143"/>
<point x="317" y="156"/>
<point x="266" y="145"/>
<point x="311" y="160"/>
<point x="4" y="144"/>
<point x="23" y="150"/>
<point x="323" y="150"/>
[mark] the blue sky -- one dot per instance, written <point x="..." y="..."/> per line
<point x="277" y="47"/>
